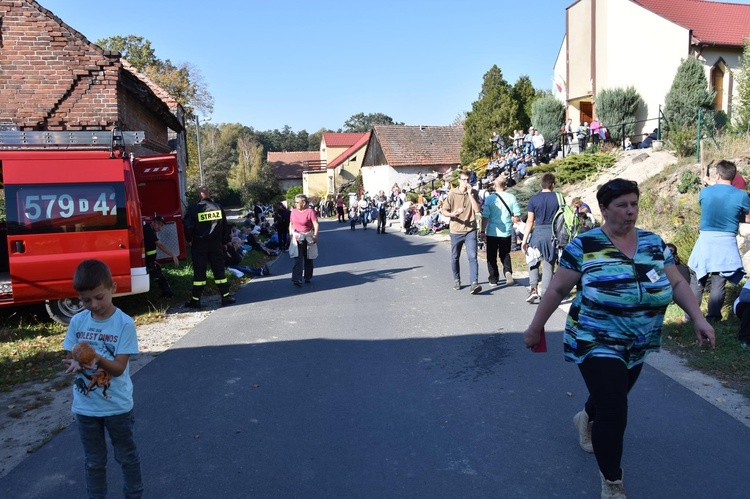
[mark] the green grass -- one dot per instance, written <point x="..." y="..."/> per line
<point x="31" y="343"/>
<point x="728" y="362"/>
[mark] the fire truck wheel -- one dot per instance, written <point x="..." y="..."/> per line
<point x="63" y="310"/>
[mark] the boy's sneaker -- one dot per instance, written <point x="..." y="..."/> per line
<point x="457" y="284"/>
<point x="475" y="288"/>
<point x="494" y="283"/>
<point x="533" y="297"/>
<point x="509" y="279"/>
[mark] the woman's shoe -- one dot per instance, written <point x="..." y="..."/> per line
<point x="613" y="489"/>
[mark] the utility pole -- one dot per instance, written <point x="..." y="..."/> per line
<point x="198" y="140"/>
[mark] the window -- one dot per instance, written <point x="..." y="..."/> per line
<point x="42" y="208"/>
<point x="717" y="81"/>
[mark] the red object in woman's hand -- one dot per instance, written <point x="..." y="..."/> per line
<point x="541" y="347"/>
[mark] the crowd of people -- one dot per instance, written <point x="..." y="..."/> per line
<point x="625" y="278"/>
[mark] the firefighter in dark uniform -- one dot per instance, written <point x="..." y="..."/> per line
<point x="207" y="234"/>
<point x="152" y="242"/>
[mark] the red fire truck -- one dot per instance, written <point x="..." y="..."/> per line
<point x="70" y="196"/>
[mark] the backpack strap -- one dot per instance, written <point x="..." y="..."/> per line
<point x="560" y="200"/>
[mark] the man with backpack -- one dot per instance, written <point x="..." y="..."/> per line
<point x="541" y="208"/>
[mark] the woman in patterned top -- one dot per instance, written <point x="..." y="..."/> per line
<point x="625" y="277"/>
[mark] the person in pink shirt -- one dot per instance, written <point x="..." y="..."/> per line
<point x="303" y="228"/>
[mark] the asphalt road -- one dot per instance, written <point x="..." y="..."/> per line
<point x="378" y="380"/>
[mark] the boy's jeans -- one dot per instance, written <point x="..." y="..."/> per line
<point x="120" y="429"/>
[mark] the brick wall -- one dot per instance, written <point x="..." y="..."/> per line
<point x="135" y="116"/>
<point x="51" y="77"/>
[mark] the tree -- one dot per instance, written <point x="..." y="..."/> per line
<point x="615" y="106"/>
<point x="689" y="92"/>
<point x="525" y="94"/>
<point x="135" y="49"/>
<point x="263" y="185"/>
<point x="314" y="139"/>
<point x="362" y="122"/>
<point x="547" y="115"/>
<point x="250" y="156"/>
<point x="496" y="110"/>
<point x="182" y="81"/>
<point x="741" y="114"/>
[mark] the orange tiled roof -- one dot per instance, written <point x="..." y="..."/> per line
<point x="420" y="145"/>
<point x="347" y="154"/>
<point x="290" y="165"/>
<point x="333" y="139"/>
<point x="716" y="23"/>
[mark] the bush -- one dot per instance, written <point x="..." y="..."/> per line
<point x="524" y="191"/>
<point x="291" y="193"/>
<point x="547" y="115"/>
<point x="616" y="106"/>
<point x="577" y="167"/>
<point x="689" y="182"/>
<point x="689" y="92"/>
<point x="682" y="141"/>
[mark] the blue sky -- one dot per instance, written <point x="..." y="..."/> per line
<point x="314" y="64"/>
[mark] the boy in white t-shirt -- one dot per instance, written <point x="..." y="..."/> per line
<point x="103" y="390"/>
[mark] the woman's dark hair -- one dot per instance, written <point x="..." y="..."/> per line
<point x="614" y="189"/>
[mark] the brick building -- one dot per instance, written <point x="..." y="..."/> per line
<point x="53" y="78"/>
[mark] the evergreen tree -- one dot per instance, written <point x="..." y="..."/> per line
<point x="615" y="106"/>
<point x="689" y="93"/>
<point x="547" y="116"/>
<point x="525" y="94"/>
<point x="495" y="111"/>
<point x="741" y="114"/>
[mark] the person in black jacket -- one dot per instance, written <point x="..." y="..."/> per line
<point x="207" y="234"/>
<point x="151" y="241"/>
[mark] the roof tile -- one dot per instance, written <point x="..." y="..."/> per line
<point x="290" y="165"/>
<point x="333" y="139"/>
<point x="420" y="145"/>
<point x="718" y="23"/>
<point x="347" y="154"/>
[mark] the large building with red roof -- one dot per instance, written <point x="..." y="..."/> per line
<point x="620" y="43"/>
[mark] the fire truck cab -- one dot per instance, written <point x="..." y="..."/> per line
<point x="70" y="196"/>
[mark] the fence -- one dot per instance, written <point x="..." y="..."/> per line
<point x="622" y="126"/>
